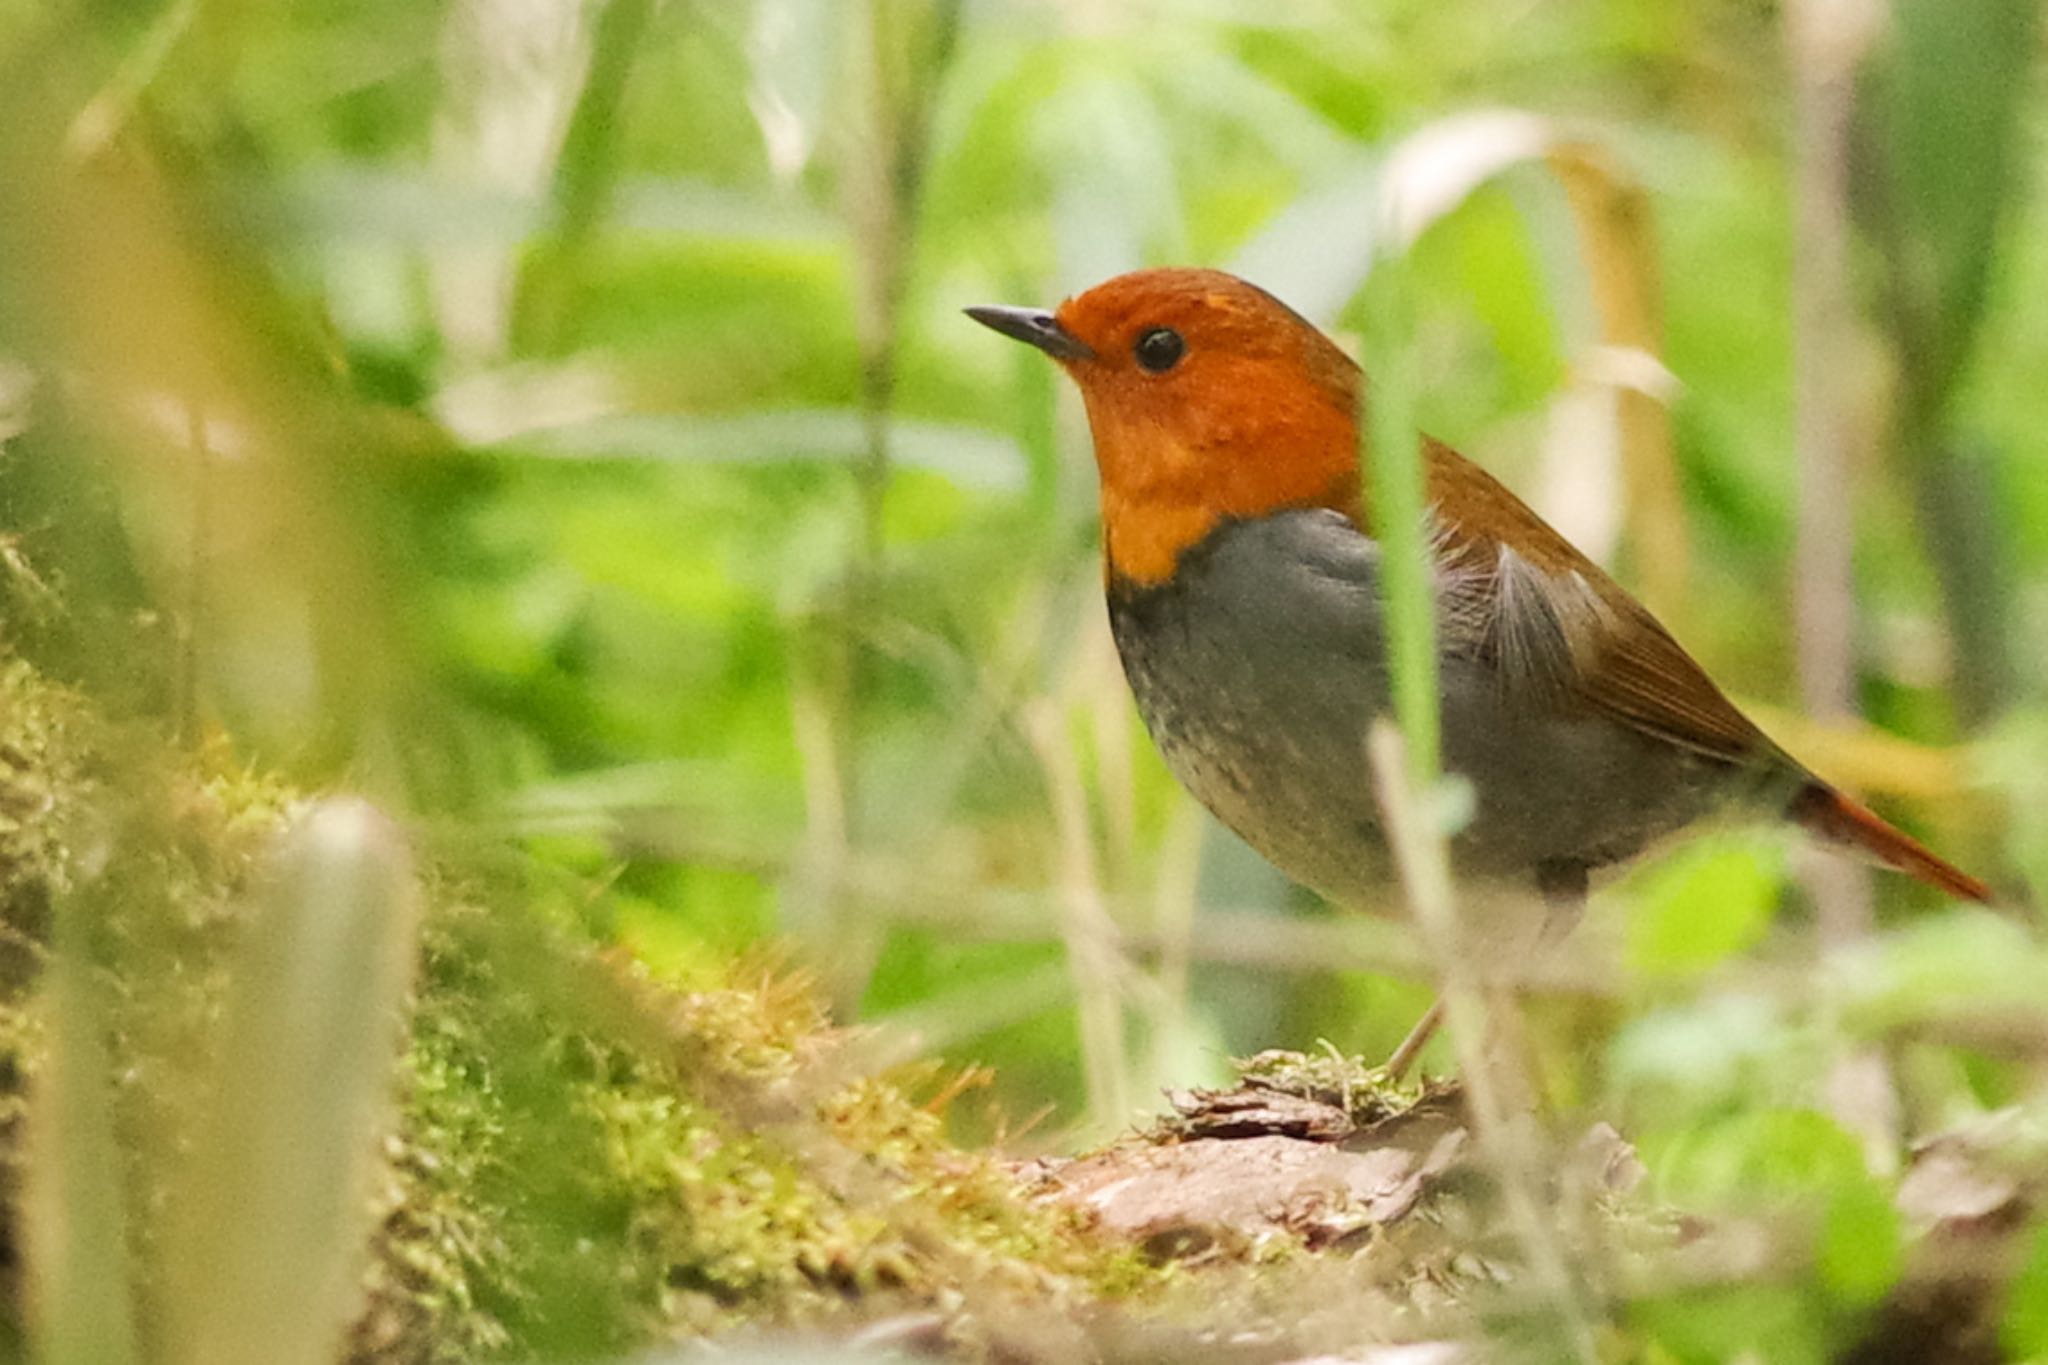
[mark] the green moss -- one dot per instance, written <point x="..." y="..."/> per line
<point x="729" y="1162"/>
<point x="587" y="1159"/>
<point x="40" y="774"/>
<point x="1364" y="1091"/>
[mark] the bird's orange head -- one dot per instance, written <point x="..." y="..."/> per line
<point x="1209" y="400"/>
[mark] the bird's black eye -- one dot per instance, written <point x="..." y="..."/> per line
<point x="1160" y="349"/>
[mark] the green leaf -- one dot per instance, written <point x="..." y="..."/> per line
<point x="1705" y="1055"/>
<point x="1316" y="252"/>
<point x="1762" y="1156"/>
<point x="1957" y="965"/>
<point x="1956" y="79"/>
<point x="2025" y="1333"/>
<point x="1773" y="1322"/>
<point x="1860" y="1249"/>
<point x="1797" y="1163"/>
<point x="1705" y="904"/>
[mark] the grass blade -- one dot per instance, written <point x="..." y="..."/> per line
<point x="76" y="1225"/>
<point x="270" y="1220"/>
<point x="1394" y="477"/>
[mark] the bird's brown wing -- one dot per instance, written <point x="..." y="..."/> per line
<point x="1556" y="621"/>
<point x="1642" y="676"/>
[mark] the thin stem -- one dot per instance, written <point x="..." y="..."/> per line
<point x="1421" y="858"/>
<point x="1618" y="241"/>
<point x="74" y="1204"/>
<point x="1826" y="49"/>
<point x="586" y="171"/>
<point x="200" y="532"/>
<point x="1090" y="934"/>
<point x="1392" y="456"/>
<point x="903" y="76"/>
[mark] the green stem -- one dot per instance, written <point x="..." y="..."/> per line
<point x="1391" y="453"/>
<point x="586" y="172"/>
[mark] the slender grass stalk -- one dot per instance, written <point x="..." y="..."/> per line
<point x="1174" y="903"/>
<point x="1618" y="241"/>
<point x="1405" y="763"/>
<point x="909" y="48"/>
<point x="1827" y="42"/>
<point x="1391" y="453"/>
<point x="902" y="53"/>
<point x="303" y="1084"/>
<point x="1417" y="840"/>
<point x="1946" y="181"/>
<point x="1089" y="932"/>
<point x="188" y="632"/>
<point x="586" y="171"/>
<point x="75" y="1222"/>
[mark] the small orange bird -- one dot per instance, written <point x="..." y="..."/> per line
<point x="1243" y="584"/>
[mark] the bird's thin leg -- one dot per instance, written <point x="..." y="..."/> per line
<point x="1510" y="1052"/>
<point x="1563" y="888"/>
<point x="1418" y="1038"/>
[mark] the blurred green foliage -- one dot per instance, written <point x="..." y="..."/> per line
<point x="554" y="418"/>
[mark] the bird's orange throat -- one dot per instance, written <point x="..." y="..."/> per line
<point x="1164" y="491"/>
<point x="1144" y="544"/>
<point x="1145" y="538"/>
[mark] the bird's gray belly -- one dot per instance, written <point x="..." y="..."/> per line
<point x="1259" y="668"/>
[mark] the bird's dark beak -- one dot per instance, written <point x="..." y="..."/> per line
<point x="1034" y="327"/>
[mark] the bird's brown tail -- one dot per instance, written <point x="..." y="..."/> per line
<point x="1829" y="815"/>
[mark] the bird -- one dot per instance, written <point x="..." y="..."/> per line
<point x="1242" y="576"/>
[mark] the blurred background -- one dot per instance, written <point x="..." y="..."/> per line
<point x="555" y="419"/>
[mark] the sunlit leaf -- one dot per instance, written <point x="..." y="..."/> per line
<point x="1949" y="159"/>
<point x="2024" y="1333"/>
<point x="1116" y="203"/>
<point x="1711" y="1052"/>
<point x="1861" y="1250"/>
<point x="791" y="53"/>
<point x="1773" y="1322"/>
<point x="1704" y="904"/>
<point x="395" y="207"/>
<point x="1958" y="966"/>
<point x="1798" y="1163"/>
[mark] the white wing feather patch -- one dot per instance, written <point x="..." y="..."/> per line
<point x="1530" y="636"/>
